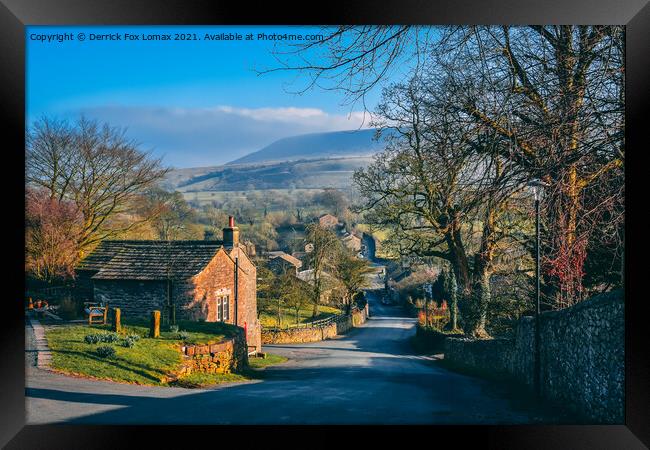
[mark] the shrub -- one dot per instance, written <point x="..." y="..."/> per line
<point x="133" y="336"/>
<point x="105" y="351"/>
<point x="92" y="338"/>
<point x="102" y="337"/>
<point x="183" y="335"/>
<point x="173" y="328"/>
<point x="128" y="343"/>
<point x="110" y="337"/>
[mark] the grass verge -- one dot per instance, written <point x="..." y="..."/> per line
<point x="148" y="362"/>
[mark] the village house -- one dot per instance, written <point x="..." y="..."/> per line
<point x="195" y="280"/>
<point x="329" y="283"/>
<point x="328" y="221"/>
<point x="351" y="242"/>
<point x="283" y="263"/>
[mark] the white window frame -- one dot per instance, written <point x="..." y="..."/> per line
<point x="226" y="308"/>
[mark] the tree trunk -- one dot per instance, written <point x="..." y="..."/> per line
<point x="481" y="280"/>
<point x="317" y="289"/>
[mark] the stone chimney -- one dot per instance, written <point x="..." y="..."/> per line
<point x="231" y="234"/>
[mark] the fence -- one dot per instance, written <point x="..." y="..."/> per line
<point x="317" y="330"/>
<point x="320" y="323"/>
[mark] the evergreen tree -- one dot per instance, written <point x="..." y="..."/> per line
<point x="453" y="300"/>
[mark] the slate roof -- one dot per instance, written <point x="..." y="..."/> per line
<point x="290" y="259"/>
<point x="149" y="260"/>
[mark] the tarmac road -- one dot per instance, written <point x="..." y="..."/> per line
<point x="369" y="376"/>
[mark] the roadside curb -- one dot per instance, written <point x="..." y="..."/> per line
<point x="43" y="353"/>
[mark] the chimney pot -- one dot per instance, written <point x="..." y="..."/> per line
<point x="231" y="234"/>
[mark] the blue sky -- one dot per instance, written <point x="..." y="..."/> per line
<point x="194" y="103"/>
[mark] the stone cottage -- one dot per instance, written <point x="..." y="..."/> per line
<point x="196" y="280"/>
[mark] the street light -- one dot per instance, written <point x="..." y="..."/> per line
<point x="537" y="187"/>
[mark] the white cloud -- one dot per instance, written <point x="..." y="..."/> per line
<point x="188" y="137"/>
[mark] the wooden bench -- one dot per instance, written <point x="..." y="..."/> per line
<point x="96" y="313"/>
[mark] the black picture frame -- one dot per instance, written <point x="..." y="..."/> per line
<point x="16" y="14"/>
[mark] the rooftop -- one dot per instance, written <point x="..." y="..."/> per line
<point x="149" y="260"/>
<point x="290" y="259"/>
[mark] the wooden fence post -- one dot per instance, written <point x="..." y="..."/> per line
<point x="117" y="320"/>
<point x="154" y="332"/>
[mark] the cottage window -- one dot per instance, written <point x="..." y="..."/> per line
<point x="223" y="308"/>
<point x="226" y="308"/>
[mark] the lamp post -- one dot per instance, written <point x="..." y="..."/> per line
<point x="537" y="188"/>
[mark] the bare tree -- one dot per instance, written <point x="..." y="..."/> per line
<point x="554" y="93"/>
<point x="168" y="212"/>
<point x="352" y="273"/>
<point x="431" y="186"/>
<point x="326" y="247"/>
<point x="96" y="167"/>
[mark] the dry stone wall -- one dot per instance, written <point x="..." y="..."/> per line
<point x="227" y="356"/>
<point x="581" y="356"/>
<point x="313" y="334"/>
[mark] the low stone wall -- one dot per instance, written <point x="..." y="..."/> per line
<point x="430" y="339"/>
<point x="314" y="334"/>
<point x="581" y="356"/>
<point x="227" y="356"/>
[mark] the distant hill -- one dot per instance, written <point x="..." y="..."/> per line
<point x="301" y="174"/>
<point x="316" y="146"/>
<point x="309" y="161"/>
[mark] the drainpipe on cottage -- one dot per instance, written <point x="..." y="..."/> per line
<point x="236" y="288"/>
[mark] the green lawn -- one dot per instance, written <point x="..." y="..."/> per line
<point x="269" y="320"/>
<point x="270" y="360"/>
<point x="147" y="362"/>
<point x="201" y="380"/>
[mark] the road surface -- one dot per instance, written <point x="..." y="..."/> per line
<point x="369" y="376"/>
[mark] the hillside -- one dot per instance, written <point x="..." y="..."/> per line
<point x="302" y="174"/>
<point x="352" y="143"/>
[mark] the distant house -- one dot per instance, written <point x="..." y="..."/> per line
<point x="284" y="263"/>
<point x="195" y="278"/>
<point x="274" y="253"/>
<point x="352" y="242"/>
<point x="299" y="255"/>
<point x="328" y="282"/>
<point x="328" y="221"/>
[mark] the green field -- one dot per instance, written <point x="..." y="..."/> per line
<point x="380" y="235"/>
<point x="206" y="197"/>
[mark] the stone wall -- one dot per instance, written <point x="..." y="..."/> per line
<point x="134" y="298"/>
<point x="319" y="333"/>
<point x="581" y="355"/>
<point x="227" y="356"/>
